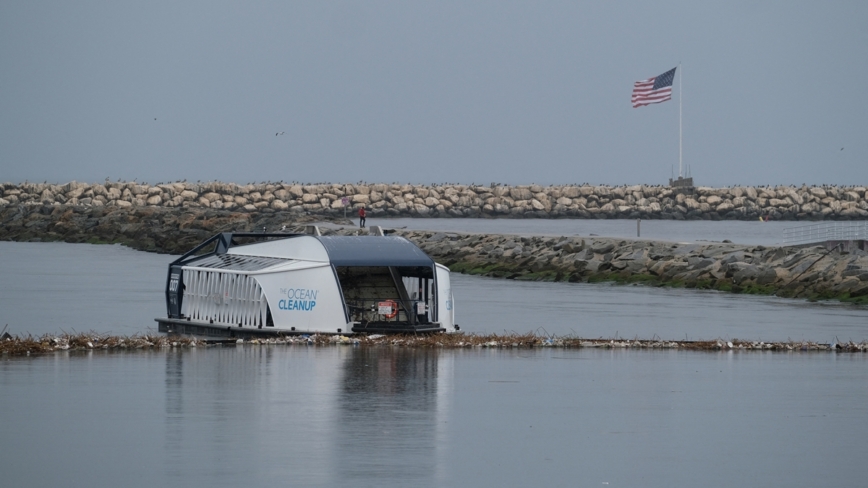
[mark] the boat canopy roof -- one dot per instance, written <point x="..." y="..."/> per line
<point x="341" y="250"/>
<point x="374" y="251"/>
<point x="298" y="246"/>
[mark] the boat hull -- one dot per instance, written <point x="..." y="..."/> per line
<point x="202" y="329"/>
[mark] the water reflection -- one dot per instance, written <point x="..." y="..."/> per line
<point x="174" y="407"/>
<point x="389" y="414"/>
<point x="259" y="416"/>
<point x="314" y="415"/>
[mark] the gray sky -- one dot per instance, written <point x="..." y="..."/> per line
<point x="429" y="92"/>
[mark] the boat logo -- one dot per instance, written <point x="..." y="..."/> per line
<point x="297" y="299"/>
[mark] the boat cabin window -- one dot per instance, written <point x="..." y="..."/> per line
<point x="388" y="294"/>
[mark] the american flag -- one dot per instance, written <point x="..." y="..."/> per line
<point x="653" y="90"/>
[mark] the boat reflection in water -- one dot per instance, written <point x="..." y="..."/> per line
<point x="312" y="415"/>
<point x="394" y="413"/>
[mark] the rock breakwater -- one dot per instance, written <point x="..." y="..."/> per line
<point x="155" y="229"/>
<point x="522" y="201"/>
<point x="806" y="272"/>
<point x="803" y="272"/>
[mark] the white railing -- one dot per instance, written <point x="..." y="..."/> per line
<point x="826" y="231"/>
<point x="224" y="298"/>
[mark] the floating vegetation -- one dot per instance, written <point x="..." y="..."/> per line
<point x="24" y="346"/>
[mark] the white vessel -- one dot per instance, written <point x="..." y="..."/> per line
<point x="304" y="284"/>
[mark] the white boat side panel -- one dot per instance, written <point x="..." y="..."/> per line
<point x="303" y="248"/>
<point x="445" y="303"/>
<point x="223" y="298"/>
<point x="307" y="299"/>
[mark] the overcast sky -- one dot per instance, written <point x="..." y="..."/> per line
<point x="427" y="92"/>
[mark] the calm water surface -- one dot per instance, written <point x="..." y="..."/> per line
<point x="338" y="416"/>
<point x="335" y="416"/>
<point x="54" y="287"/>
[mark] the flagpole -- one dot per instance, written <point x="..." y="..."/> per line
<point x="680" y="171"/>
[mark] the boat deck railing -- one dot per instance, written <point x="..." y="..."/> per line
<point x="826" y="231"/>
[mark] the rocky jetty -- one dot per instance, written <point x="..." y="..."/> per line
<point x="803" y="272"/>
<point x="522" y="201"/>
<point x="154" y="229"/>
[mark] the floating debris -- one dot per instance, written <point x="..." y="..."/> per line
<point x="16" y="345"/>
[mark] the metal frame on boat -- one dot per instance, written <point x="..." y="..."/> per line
<point x="248" y="284"/>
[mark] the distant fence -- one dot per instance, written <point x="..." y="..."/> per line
<point x="826" y="231"/>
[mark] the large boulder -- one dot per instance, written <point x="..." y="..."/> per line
<point x="776" y="202"/>
<point x="771" y="275"/>
<point x="745" y="272"/>
<point x="570" y="192"/>
<point x="818" y="192"/>
<point x="520" y="193"/>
